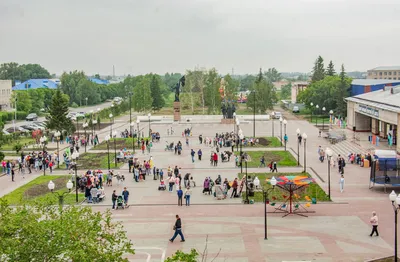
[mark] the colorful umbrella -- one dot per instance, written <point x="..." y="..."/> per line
<point x="294" y="180"/>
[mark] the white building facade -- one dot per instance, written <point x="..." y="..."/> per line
<point x="5" y="94"/>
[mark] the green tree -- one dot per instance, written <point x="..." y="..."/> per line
<point x="25" y="72"/>
<point x="156" y="92"/>
<point x="142" y="100"/>
<point x="330" y="71"/>
<point x="24" y="101"/>
<point x="342" y="92"/>
<point x="265" y="94"/>
<point x="10" y="71"/>
<point x="211" y="92"/>
<point x="48" y="233"/>
<point x="181" y="256"/>
<point x="231" y="87"/>
<point x="246" y="83"/>
<point x="318" y="72"/>
<point x="286" y="91"/>
<point x="273" y="75"/>
<point x="58" y="111"/>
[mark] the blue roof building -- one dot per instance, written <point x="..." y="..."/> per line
<point x="99" y="81"/>
<point x="37" y="83"/>
<point x="362" y="86"/>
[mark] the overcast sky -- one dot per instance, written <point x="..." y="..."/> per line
<point x="174" y="35"/>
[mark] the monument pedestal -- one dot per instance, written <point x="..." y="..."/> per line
<point x="229" y="121"/>
<point x="177" y="111"/>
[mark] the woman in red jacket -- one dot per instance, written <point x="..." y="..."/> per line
<point x="215" y="157"/>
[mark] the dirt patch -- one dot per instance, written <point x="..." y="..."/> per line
<point x="263" y="141"/>
<point x="42" y="189"/>
<point x="384" y="259"/>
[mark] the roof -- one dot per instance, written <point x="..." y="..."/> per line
<point x="99" y="81"/>
<point x="37" y="83"/>
<point x="382" y="99"/>
<point x="386" y="68"/>
<point x="370" y="82"/>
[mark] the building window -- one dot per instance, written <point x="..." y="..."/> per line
<point x="380" y="73"/>
<point x="390" y="73"/>
<point x="390" y="78"/>
<point x="375" y="73"/>
<point x="385" y="73"/>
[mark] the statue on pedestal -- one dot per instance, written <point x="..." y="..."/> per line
<point x="178" y="88"/>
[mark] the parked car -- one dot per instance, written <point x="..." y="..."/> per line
<point x="5" y="132"/>
<point x="29" y="127"/>
<point x="277" y="115"/>
<point x="36" y="127"/>
<point x="17" y="129"/>
<point x="42" y="124"/>
<point x="31" y="117"/>
<point x="296" y="109"/>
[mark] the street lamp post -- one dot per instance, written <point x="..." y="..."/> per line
<point x="237" y="134"/>
<point x="51" y="186"/>
<point x="91" y="120"/>
<point x="107" y="139"/>
<point x="149" y="115"/>
<point x="75" y="157"/>
<point x="284" y="126"/>
<point x="272" y="119"/>
<point x="98" y="114"/>
<point x="312" y="109"/>
<point x="305" y="153"/>
<point x="43" y="141"/>
<point x="298" y="147"/>
<point x="86" y="100"/>
<point x="234" y="122"/>
<point x="57" y="134"/>
<point x="241" y="136"/>
<point x="281" y="120"/>
<point x="329" y="154"/>
<point x="130" y="109"/>
<point x="138" y="132"/>
<point x="323" y="118"/>
<point x="111" y="119"/>
<point x="247" y="201"/>
<point x="316" y="118"/>
<point x="396" y="206"/>
<point x="115" y="148"/>
<point x="254" y="114"/>
<point x="133" y="139"/>
<point x="330" y="118"/>
<point x="266" y="202"/>
<point x="85" y="125"/>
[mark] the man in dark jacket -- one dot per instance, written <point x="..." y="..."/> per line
<point x="178" y="230"/>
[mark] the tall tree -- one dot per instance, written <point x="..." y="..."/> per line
<point x="58" y="111"/>
<point x="231" y="87"/>
<point x="142" y="99"/>
<point x="24" y="101"/>
<point x="342" y="92"/>
<point x="286" y="91"/>
<point x="22" y="73"/>
<point x="330" y="71"/>
<point x="211" y="92"/>
<point x="318" y="70"/>
<point x="48" y="233"/>
<point x="246" y="83"/>
<point x="156" y="93"/>
<point x="273" y="75"/>
<point x="265" y="94"/>
<point x="10" y="71"/>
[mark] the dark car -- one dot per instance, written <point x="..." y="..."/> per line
<point x="17" y="129"/>
<point x="30" y="128"/>
<point x="31" y="117"/>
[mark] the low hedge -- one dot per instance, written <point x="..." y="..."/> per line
<point x="9" y="116"/>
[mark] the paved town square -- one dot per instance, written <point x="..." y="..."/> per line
<point x="231" y="231"/>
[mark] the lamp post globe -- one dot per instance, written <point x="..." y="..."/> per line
<point x="273" y="181"/>
<point x="51" y="185"/>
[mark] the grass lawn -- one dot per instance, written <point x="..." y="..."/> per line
<point x="318" y="119"/>
<point x="11" y="154"/>
<point x="37" y="190"/>
<point x="23" y="141"/>
<point x="313" y="190"/>
<point x="88" y="161"/>
<point x="282" y="158"/>
<point x="120" y="143"/>
<point x="266" y="142"/>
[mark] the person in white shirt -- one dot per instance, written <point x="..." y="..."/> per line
<point x="374" y="223"/>
<point x="341" y="183"/>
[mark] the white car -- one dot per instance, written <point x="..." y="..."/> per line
<point x="277" y="115"/>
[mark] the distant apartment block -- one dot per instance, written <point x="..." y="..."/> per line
<point x="5" y="94"/>
<point x="384" y="72"/>
<point x="297" y="87"/>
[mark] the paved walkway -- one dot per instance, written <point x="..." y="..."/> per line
<point x="337" y="231"/>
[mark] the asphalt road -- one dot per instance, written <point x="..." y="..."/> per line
<point x="79" y="109"/>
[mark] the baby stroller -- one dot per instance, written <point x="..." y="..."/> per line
<point x="120" y="202"/>
<point x="169" y="147"/>
<point x="224" y="157"/>
<point x="162" y="186"/>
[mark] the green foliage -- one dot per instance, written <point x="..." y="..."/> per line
<point x="58" y="111"/>
<point x="24" y="101"/>
<point x="264" y="96"/>
<point x="24" y="72"/>
<point x="318" y="70"/>
<point x="342" y="92"/>
<point x="74" y="105"/>
<point x="195" y="88"/>
<point x="328" y="93"/>
<point x="48" y="233"/>
<point x="330" y="71"/>
<point x="231" y="88"/>
<point x="1" y="156"/>
<point x="9" y="116"/>
<point x="286" y="91"/>
<point x="142" y="100"/>
<point x="273" y="75"/>
<point x="181" y="256"/>
<point x="212" y="96"/>
<point x="282" y="158"/>
<point x="170" y="80"/>
<point x="17" y="147"/>
<point x="156" y="92"/>
<point x="77" y="86"/>
<point x="247" y="82"/>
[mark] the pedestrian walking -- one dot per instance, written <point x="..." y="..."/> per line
<point x="179" y="192"/>
<point x="262" y="161"/>
<point x="12" y="173"/>
<point x="178" y="230"/>
<point x="374" y="223"/>
<point x="341" y="183"/>
<point x="125" y="194"/>
<point x="188" y="193"/>
<point x="234" y="186"/>
<point x="199" y="154"/>
<point x="192" y="153"/>
<point x="274" y="167"/>
<point x="114" y="199"/>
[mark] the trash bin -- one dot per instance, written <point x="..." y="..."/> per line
<point x="314" y="200"/>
